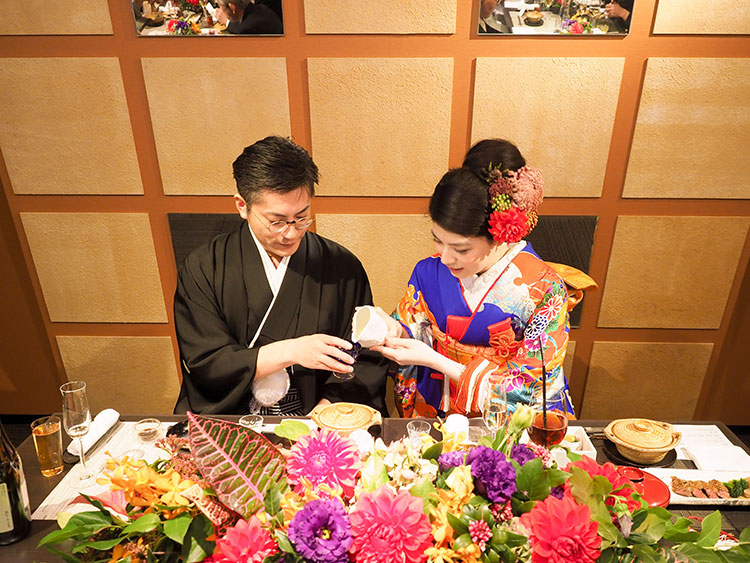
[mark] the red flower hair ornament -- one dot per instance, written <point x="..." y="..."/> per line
<point x="515" y="196"/>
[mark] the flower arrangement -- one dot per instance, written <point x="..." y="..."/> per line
<point x="183" y="26"/>
<point x="235" y="498"/>
<point x="515" y="196"/>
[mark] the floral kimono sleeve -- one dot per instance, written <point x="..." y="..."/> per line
<point x="414" y="316"/>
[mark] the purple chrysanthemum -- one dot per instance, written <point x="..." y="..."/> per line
<point x="521" y="454"/>
<point x="494" y="476"/>
<point x="321" y="532"/>
<point x="451" y="459"/>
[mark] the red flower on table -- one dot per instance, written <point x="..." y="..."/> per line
<point x="621" y="485"/>
<point x="561" y="531"/>
<point x="510" y="225"/>
<point x="246" y="542"/>
<point x="390" y="528"/>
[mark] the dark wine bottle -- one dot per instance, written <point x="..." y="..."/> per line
<point x="15" y="514"/>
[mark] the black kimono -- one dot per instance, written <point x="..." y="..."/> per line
<point x="222" y="295"/>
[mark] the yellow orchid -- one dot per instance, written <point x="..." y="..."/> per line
<point x="172" y="486"/>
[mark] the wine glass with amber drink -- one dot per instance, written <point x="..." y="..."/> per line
<point x="550" y="423"/>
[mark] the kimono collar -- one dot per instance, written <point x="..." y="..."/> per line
<point x="274" y="275"/>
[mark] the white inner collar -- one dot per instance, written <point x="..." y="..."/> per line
<point x="274" y="274"/>
<point x="477" y="285"/>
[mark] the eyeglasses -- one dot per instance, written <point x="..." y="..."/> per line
<point x="280" y="226"/>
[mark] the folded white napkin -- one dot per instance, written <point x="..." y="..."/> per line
<point x="731" y="458"/>
<point x="99" y="426"/>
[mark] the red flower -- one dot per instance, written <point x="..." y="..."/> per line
<point x="562" y="531"/>
<point x="510" y="225"/>
<point x="246" y="542"/>
<point x="576" y="28"/>
<point x="389" y="528"/>
<point x="621" y="485"/>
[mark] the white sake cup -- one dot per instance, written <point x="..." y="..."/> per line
<point x="368" y="328"/>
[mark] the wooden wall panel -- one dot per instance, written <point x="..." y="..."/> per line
<point x="386" y="104"/>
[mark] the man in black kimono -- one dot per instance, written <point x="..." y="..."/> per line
<point x="262" y="313"/>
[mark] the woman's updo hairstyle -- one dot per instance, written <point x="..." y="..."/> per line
<point x="460" y="202"/>
<point x="493" y="152"/>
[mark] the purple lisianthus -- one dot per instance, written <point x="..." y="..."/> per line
<point x="521" y="454"/>
<point x="321" y="532"/>
<point x="557" y="492"/>
<point x="451" y="459"/>
<point x="494" y="476"/>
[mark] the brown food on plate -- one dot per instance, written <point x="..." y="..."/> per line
<point x="700" y="489"/>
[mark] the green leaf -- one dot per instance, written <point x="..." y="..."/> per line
<point x="462" y="541"/>
<point x="573" y="456"/>
<point x="145" y="523"/>
<point x="64" y="556"/>
<point x="745" y="535"/>
<point x="458" y="525"/>
<point x="434" y="451"/>
<point x="272" y="501"/>
<point x="63" y="518"/>
<point x="531" y="480"/>
<point x="698" y="554"/>
<point x="476" y="500"/>
<point x="710" y="530"/>
<point x="195" y="547"/>
<point x="79" y="526"/>
<point x="176" y="528"/>
<point x="492" y="556"/>
<point x="284" y="544"/>
<point x="557" y="477"/>
<point x="680" y="531"/>
<point x="652" y="527"/>
<point x="374" y="473"/>
<point x="292" y="430"/>
<point x="425" y="490"/>
<point x="101" y="545"/>
<point x="646" y="554"/>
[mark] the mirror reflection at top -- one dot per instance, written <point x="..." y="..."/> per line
<point x="207" y="17"/>
<point x="554" y="17"/>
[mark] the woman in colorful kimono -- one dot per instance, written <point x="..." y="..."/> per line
<point x="476" y="314"/>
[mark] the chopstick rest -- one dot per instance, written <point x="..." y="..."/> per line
<point x="99" y="426"/>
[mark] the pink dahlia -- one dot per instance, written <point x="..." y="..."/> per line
<point x="389" y="527"/>
<point x="324" y="457"/>
<point x="562" y="531"/>
<point x="245" y="542"/>
<point x="510" y="225"/>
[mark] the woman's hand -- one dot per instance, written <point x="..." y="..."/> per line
<point x="408" y="351"/>
<point x="395" y="328"/>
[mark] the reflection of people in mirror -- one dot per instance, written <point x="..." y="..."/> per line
<point x="246" y="17"/>
<point x="487" y="21"/>
<point x="620" y="10"/>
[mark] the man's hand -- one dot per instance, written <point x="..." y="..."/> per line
<point x="614" y="10"/>
<point x="322" y="351"/>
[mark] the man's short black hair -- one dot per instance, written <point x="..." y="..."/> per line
<point x="274" y="164"/>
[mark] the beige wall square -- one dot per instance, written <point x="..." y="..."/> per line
<point x="558" y="111"/>
<point x="65" y="127"/>
<point x="671" y="272"/>
<point x="132" y="374"/>
<point x="233" y="103"/>
<point x="389" y="246"/>
<point x="96" y="267"/>
<point x="656" y="380"/>
<point x="55" y="17"/>
<point x="681" y="16"/>
<point x="380" y="126"/>
<point x="379" y="16"/>
<point x="692" y="134"/>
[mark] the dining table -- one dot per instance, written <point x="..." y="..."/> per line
<point x="734" y="518"/>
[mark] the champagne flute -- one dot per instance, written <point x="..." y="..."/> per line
<point x="77" y="417"/>
<point x="495" y="408"/>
